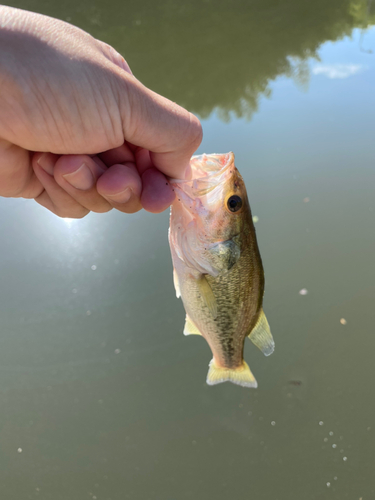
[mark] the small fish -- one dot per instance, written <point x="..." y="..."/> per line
<point x="217" y="269"/>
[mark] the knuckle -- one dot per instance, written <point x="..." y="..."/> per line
<point x="195" y="132"/>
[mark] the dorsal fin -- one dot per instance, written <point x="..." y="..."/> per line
<point x="190" y="328"/>
<point x="207" y="295"/>
<point x="261" y="335"/>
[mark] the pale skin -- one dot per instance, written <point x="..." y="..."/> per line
<point x="78" y="132"/>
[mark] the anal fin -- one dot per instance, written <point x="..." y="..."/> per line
<point x="190" y="328"/>
<point x="240" y="376"/>
<point x="261" y="335"/>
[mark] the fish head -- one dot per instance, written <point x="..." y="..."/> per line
<point x="213" y="208"/>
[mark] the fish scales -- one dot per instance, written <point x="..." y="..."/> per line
<point x="218" y="270"/>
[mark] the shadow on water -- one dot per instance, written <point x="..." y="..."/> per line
<point x="214" y="55"/>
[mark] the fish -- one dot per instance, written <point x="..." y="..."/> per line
<point x="217" y="267"/>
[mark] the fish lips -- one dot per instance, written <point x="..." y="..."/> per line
<point x="208" y="173"/>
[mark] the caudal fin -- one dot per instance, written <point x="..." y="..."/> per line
<point x="240" y="376"/>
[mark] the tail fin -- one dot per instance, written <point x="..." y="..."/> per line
<point x="240" y="376"/>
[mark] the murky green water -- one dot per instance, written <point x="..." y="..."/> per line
<point x="101" y="396"/>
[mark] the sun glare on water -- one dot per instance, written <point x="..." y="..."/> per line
<point x="69" y="222"/>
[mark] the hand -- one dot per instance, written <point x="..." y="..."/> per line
<point x="78" y="131"/>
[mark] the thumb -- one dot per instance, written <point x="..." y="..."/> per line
<point x="167" y="130"/>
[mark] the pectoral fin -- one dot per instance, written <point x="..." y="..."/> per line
<point x="240" y="375"/>
<point x="190" y="328"/>
<point x="176" y="284"/>
<point x="261" y="335"/>
<point x="207" y="295"/>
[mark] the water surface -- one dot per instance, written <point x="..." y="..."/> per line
<point x="101" y="395"/>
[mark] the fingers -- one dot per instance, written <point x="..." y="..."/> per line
<point x="157" y="194"/>
<point x="120" y="179"/>
<point x="117" y="155"/>
<point x="121" y="185"/>
<point x="54" y="198"/>
<point x="74" y="185"/>
<point x="98" y="188"/>
<point x="151" y="121"/>
<point x="78" y="175"/>
<point x="17" y="177"/>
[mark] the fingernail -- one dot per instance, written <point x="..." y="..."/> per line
<point x="121" y="197"/>
<point x="46" y="163"/>
<point x="81" y="179"/>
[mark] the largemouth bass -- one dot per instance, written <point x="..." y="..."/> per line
<point x="217" y="268"/>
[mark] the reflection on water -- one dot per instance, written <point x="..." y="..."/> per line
<point x="214" y="55"/>
<point x="99" y="389"/>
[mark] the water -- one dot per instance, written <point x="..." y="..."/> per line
<point x="101" y="395"/>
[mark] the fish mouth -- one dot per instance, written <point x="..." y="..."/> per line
<point x="208" y="172"/>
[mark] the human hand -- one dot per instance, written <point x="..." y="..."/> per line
<point x="77" y="129"/>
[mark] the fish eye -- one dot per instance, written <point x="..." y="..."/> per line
<point x="234" y="203"/>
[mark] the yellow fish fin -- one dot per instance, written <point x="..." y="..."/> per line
<point x="207" y="295"/>
<point x="240" y="376"/>
<point x="190" y="328"/>
<point x="176" y="284"/>
<point x="261" y="335"/>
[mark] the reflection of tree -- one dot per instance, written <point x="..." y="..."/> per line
<point x="214" y="54"/>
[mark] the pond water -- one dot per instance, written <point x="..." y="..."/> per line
<point x="101" y="396"/>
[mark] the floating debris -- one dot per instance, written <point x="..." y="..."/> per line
<point x="255" y="219"/>
<point x="295" y="382"/>
<point x="117" y="351"/>
<point x="334" y="446"/>
<point x="328" y="485"/>
<point x="343" y="321"/>
<point x="19" y="450"/>
<point x="303" y="291"/>
<point x="321" y="422"/>
<point x="330" y="433"/>
<point x="273" y="422"/>
<point x="94" y="267"/>
<point x="345" y="458"/>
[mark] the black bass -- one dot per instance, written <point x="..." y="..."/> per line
<point x="218" y="270"/>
